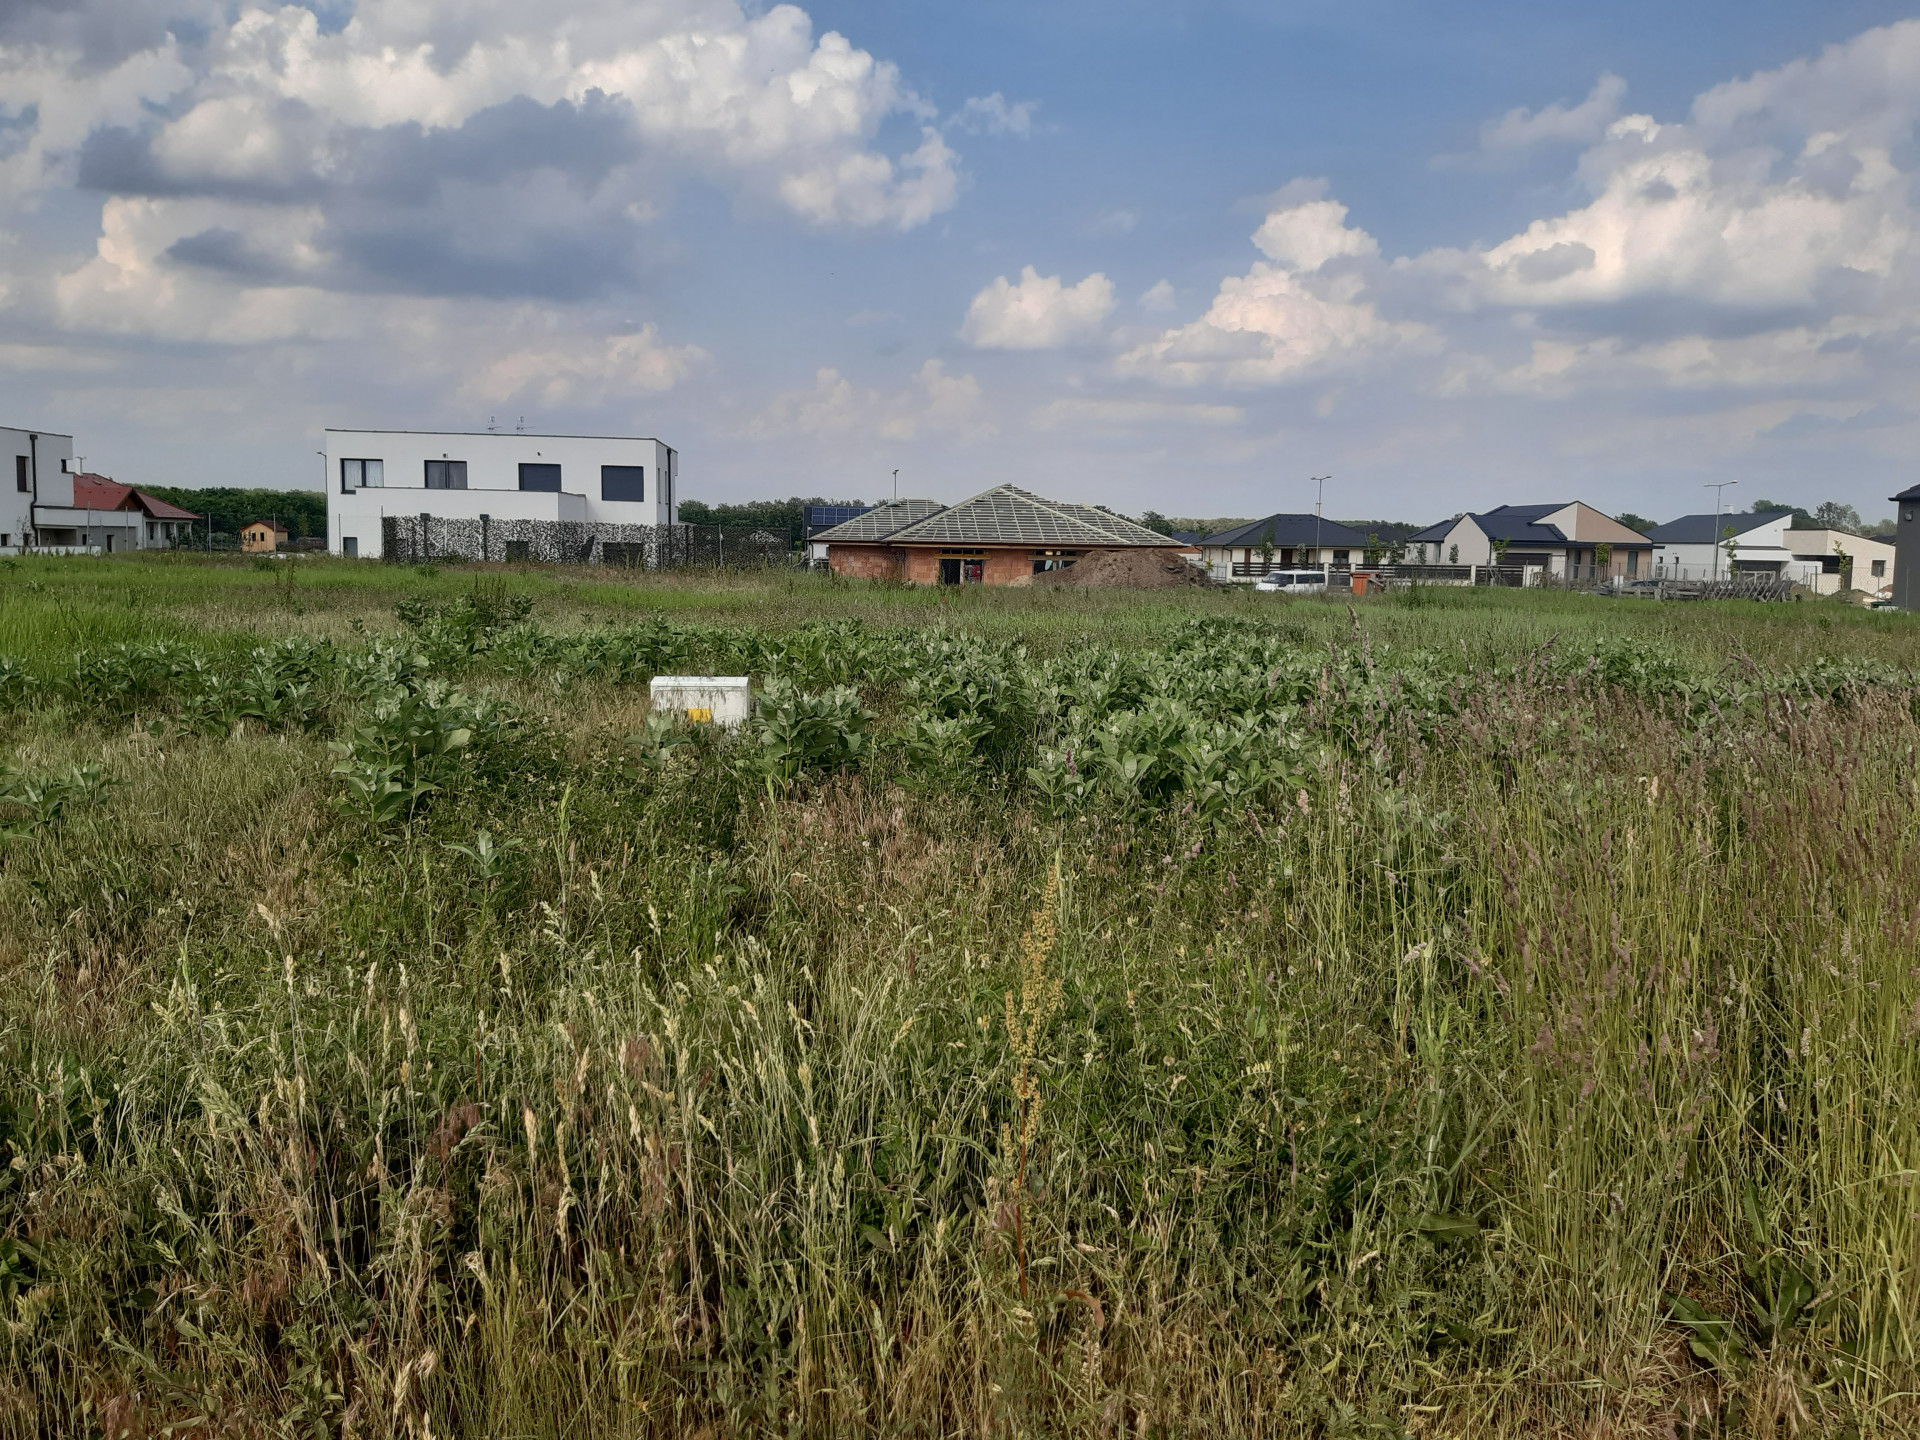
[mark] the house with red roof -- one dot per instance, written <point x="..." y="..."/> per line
<point x="106" y="515"/>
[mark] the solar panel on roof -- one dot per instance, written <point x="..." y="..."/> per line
<point x="819" y="517"/>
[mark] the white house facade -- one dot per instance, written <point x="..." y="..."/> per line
<point x="460" y="475"/>
<point x="1764" y="542"/>
<point x="41" y="475"/>
<point x="1824" y="560"/>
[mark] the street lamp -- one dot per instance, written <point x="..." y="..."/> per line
<point x="1717" y="486"/>
<point x="1319" y="501"/>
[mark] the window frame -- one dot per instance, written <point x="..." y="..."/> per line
<point x="543" y="466"/>
<point x="446" y="473"/>
<point x="638" y="498"/>
<point x="361" y="463"/>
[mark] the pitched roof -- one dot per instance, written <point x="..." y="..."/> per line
<point x="1710" y="529"/>
<point x="1435" y="532"/>
<point x="1008" y="515"/>
<point x="1912" y="492"/>
<point x="164" y="510"/>
<point x="97" y="492"/>
<point x="1522" y="524"/>
<point x="880" y="522"/>
<point x="1292" y="531"/>
<point x="273" y="525"/>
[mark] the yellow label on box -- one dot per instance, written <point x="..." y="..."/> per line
<point x="700" y="714"/>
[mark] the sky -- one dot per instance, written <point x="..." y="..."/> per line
<point x="1177" y="256"/>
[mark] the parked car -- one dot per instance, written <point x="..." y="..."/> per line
<point x="1292" y="582"/>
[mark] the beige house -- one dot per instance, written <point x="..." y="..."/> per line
<point x="1843" y="561"/>
<point x="1571" y="539"/>
<point x="263" y="537"/>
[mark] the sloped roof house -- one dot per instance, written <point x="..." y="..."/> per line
<point x="1552" y="537"/>
<point x="998" y="537"/>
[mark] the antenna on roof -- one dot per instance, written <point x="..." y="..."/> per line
<point x="491" y="426"/>
<point x="521" y="428"/>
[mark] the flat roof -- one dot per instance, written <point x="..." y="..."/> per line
<point x="489" y="434"/>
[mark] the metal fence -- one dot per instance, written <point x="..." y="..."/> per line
<point x="417" y="539"/>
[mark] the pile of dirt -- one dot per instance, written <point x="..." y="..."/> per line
<point x="1148" y="568"/>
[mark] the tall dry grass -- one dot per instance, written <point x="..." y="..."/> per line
<point x="1551" y="1074"/>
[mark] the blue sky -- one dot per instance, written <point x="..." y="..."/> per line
<point x="1167" y="256"/>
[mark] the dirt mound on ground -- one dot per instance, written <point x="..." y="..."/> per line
<point x="1142" y="569"/>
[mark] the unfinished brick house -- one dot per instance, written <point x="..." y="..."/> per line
<point x="1003" y="536"/>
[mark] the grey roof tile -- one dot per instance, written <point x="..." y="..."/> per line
<point x="880" y="522"/>
<point x="1008" y="515"/>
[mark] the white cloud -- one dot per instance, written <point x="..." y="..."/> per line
<point x="1307" y="236"/>
<point x="1038" y="313"/>
<point x="484" y="149"/>
<point x="1115" y="222"/>
<point x="1283" y="319"/>
<point x="995" y="115"/>
<point x="1521" y="129"/>
<point x="936" y="404"/>
<point x="1090" y="413"/>
<point x="1158" y="296"/>
<point x="557" y="371"/>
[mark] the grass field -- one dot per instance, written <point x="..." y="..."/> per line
<point x="1084" y="1013"/>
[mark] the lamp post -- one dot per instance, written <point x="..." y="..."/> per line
<point x="1717" y="486"/>
<point x="1319" y="503"/>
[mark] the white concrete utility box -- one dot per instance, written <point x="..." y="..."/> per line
<point x="703" y="699"/>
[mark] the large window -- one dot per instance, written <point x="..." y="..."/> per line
<point x="363" y="474"/>
<point x="623" y="482"/>
<point x="540" y="477"/>
<point x="446" y="474"/>
<point x="21" y="480"/>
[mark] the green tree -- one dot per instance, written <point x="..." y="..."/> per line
<point x="1637" y="523"/>
<point x="780" y="517"/>
<point x="1832" y="515"/>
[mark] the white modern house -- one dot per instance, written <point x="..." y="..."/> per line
<point x="1764" y="542"/>
<point x="489" y="476"/>
<point x="42" y="475"/>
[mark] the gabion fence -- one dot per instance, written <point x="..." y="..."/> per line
<point x="415" y="539"/>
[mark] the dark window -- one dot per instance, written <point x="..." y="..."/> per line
<point x="20" y="474"/>
<point x="1879" y="569"/>
<point x="540" y="477"/>
<point x="362" y="474"/>
<point x="446" y="474"/>
<point x="623" y="482"/>
<point x="350" y="546"/>
<point x="519" y="551"/>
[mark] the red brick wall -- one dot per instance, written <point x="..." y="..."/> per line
<point x="863" y="562"/>
<point x="1004" y="564"/>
